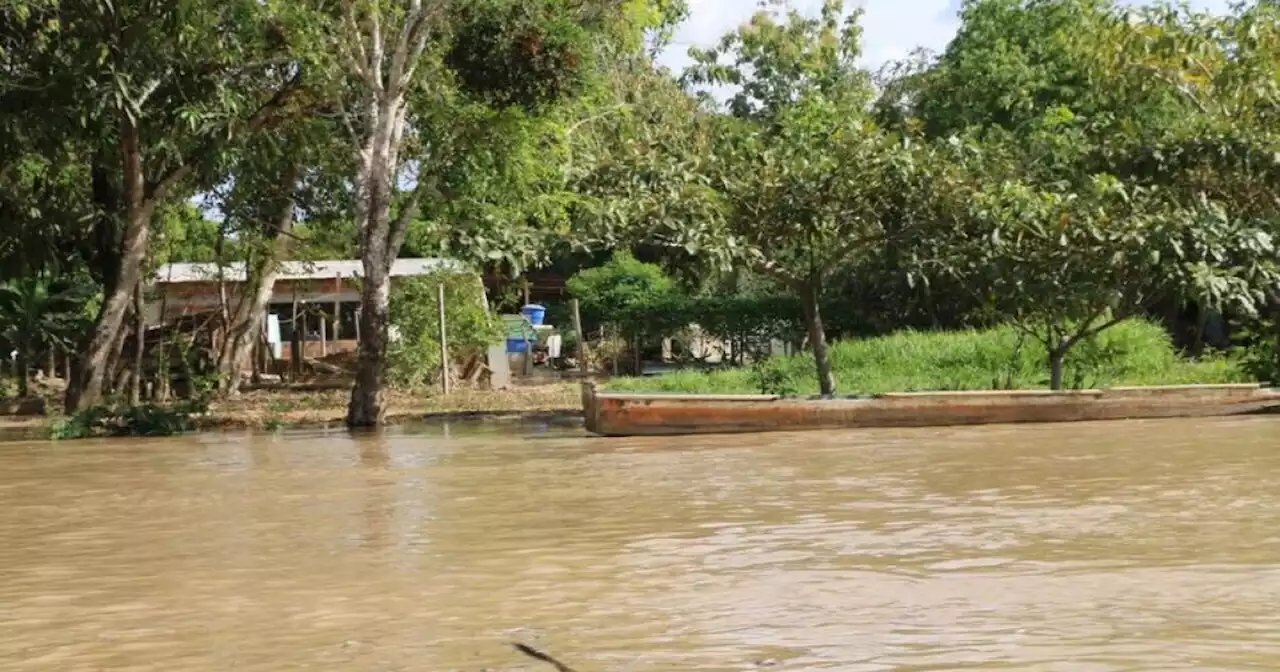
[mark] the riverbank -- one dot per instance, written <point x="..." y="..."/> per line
<point x="268" y="409"/>
<point x="1135" y="353"/>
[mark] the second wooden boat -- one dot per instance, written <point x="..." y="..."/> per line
<point x="616" y="414"/>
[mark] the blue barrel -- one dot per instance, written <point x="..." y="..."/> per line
<point x="534" y="313"/>
<point x="517" y="345"/>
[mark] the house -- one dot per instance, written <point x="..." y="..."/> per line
<point x="321" y="299"/>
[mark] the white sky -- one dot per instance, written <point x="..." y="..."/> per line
<point x="891" y="28"/>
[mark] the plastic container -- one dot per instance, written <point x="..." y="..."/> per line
<point x="517" y="345"/>
<point x="534" y="313"/>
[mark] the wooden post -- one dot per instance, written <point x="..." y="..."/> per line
<point x="582" y="338"/>
<point x="140" y="334"/>
<point x="337" y="308"/>
<point x="303" y="348"/>
<point x="444" y="346"/>
<point x="324" y="336"/>
<point x="295" y="344"/>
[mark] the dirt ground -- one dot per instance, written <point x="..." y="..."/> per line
<point x="266" y="408"/>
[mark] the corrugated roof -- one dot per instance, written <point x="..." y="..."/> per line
<point x="296" y="270"/>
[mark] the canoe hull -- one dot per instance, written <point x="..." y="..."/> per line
<point x="661" y="414"/>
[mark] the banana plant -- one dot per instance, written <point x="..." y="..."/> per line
<point x="36" y="314"/>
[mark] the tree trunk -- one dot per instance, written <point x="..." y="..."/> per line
<point x="367" y="407"/>
<point x="1057" y="358"/>
<point x="109" y="386"/>
<point x="818" y="341"/>
<point x="380" y="242"/>
<point x="86" y="390"/>
<point x="245" y="323"/>
<point x="139" y="344"/>
<point x="23" y="373"/>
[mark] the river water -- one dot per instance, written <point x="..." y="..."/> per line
<point x="1110" y="546"/>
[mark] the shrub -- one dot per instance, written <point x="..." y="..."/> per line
<point x="612" y="292"/>
<point x="128" y="420"/>
<point x="1261" y="357"/>
<point x="414" y="356"/>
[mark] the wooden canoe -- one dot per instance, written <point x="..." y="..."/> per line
<point x="615" y="414"/>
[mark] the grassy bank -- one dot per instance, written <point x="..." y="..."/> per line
<point x="1134" y="353"/>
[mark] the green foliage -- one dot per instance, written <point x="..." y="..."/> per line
<point x="39" y="315"/>
<point x="1261" y="358"/>
<point x="748" y="323"/>
<point x="414" y="357"/>
<point x="624" y="284"/>
<point x="115" y="420"/>
<point x="1135" y="353"/>
<point x="521" y="54"/>
<point x="772" y="376"/>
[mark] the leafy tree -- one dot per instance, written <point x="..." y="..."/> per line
<point x="398" y="70"/>
<point x="1063" y="266"/>
<point x="807" y="181"/>
<point x="150" y="93"/>
<point x="1132" y="164"/>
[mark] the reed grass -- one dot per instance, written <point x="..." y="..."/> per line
<point x="1132" y="353"/>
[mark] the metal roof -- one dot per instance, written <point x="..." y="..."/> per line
<point x="296" y="270"/>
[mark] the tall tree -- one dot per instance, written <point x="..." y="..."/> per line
<point x="402" y="65"/>
<point x="807" y="180"/>
<point x="156" y="90"/>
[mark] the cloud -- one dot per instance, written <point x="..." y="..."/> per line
<point x="892" y="29"/>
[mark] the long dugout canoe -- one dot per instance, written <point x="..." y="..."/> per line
<point x="616" y="414"/>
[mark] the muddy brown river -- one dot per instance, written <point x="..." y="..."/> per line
<point x="1092" y="547"/>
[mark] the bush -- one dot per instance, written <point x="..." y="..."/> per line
<point x="639" y="302"/>
<point x="1261" y="358"/>
<point x="1133" y="353"/>
<point x="128" y="420"/>
<point x="414" y="357"/>
<point x="747" y="323"/>
<point x="612" y="292"/>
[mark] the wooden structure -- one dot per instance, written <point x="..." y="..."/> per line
<point x="611" y="414"/>
<point x="316" y="304"/>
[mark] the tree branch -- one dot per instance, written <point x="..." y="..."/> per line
<point x="399" y="228"/>
<point x="1119" y="317"/>
<point x="849" y="247"/>
<point x="403" y="56"/>
<point x="376" y="51"/>
<point x="259" y="119"/>
<point x="353" y="48"/>
<point x="779" y="274"/>
<point x="543" y="657"/>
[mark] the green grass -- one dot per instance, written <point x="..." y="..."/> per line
<point x="1132" y="353"/>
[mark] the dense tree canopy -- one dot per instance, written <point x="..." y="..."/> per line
<point x="1062" y="165"/>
